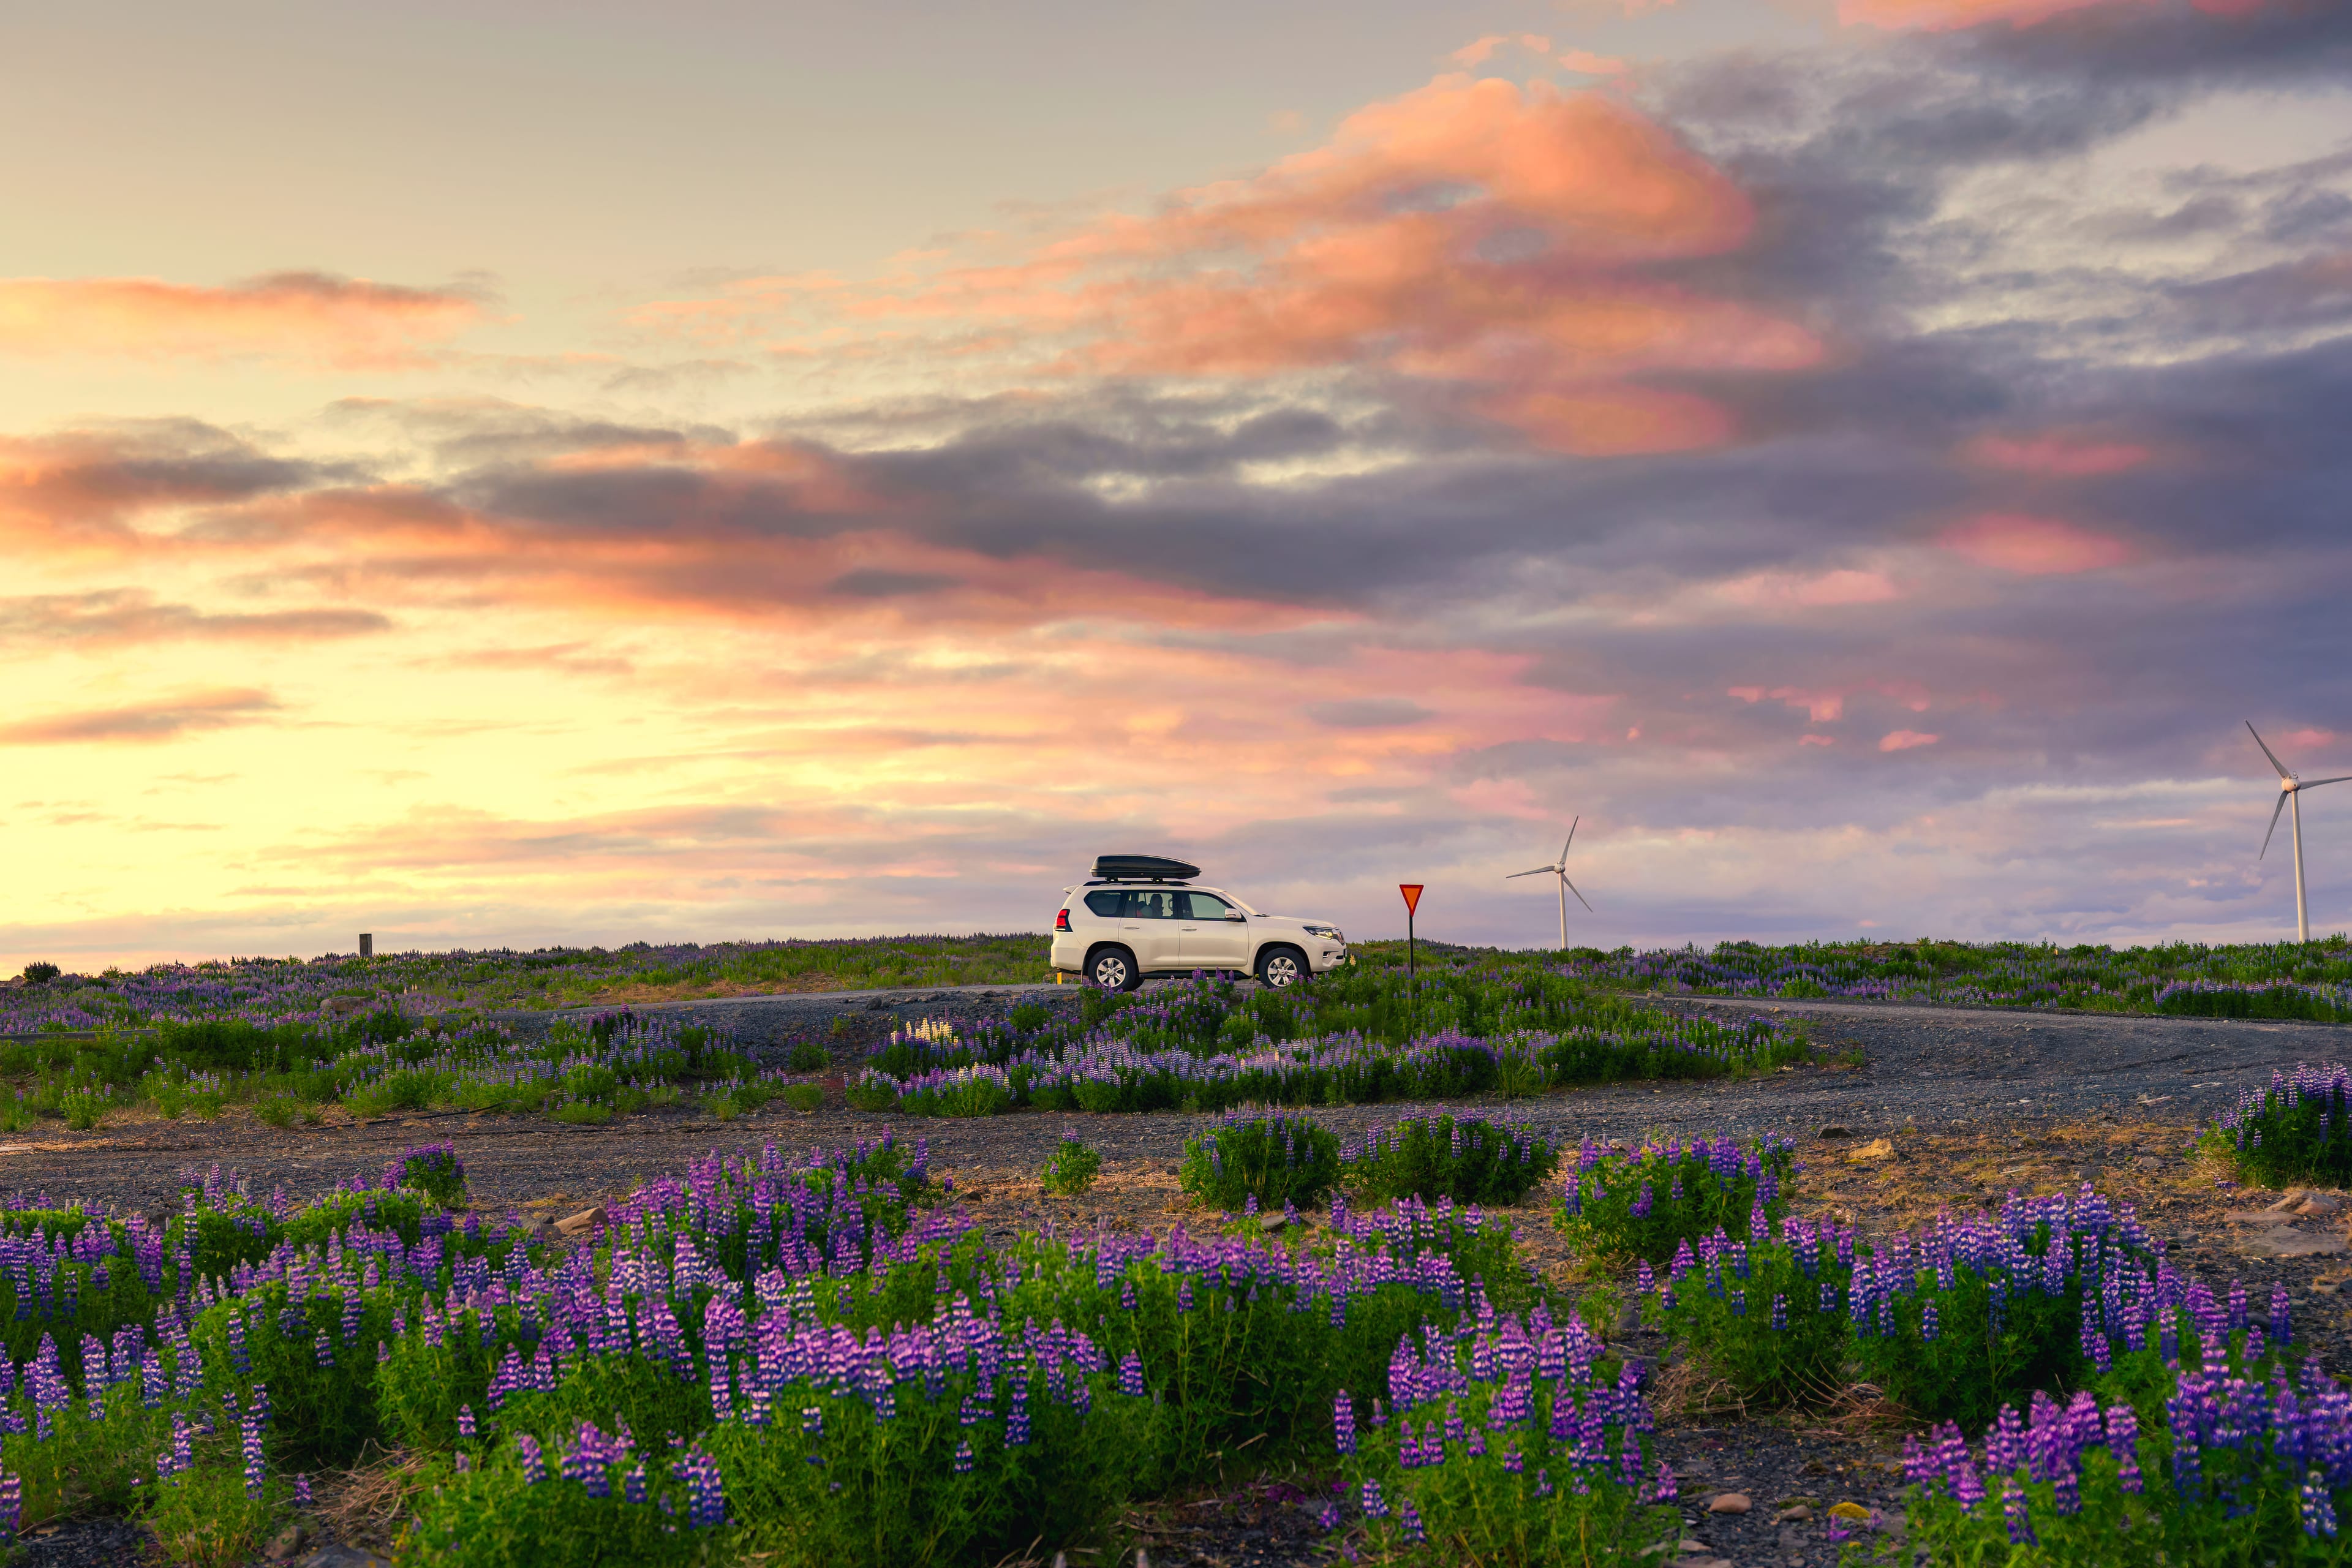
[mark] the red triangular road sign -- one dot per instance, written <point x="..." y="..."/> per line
<point x="1411" y="891"/>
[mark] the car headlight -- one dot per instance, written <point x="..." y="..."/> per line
<point x="1332" y="932"/>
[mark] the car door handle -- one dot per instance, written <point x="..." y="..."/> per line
<point x="1188" y="928"/>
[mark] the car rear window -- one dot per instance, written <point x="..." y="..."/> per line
<point x="1105" y="903"/>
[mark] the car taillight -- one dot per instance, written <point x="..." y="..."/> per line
<point x="1062" y="921"/>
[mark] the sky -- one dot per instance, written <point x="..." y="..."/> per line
<point x="506" y="475"/>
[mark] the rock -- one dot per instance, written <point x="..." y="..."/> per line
<point x="1876" y="1149"/>
<point x="1833" y="1131"/>
<point x="2318" y="1204"/>
<point x="1273" y="1221"/>
<point x="342" y="1556"/>
<point x="2147" y="1162"/>
<point x="288" y="1541"/>
<point x="1629" y="1317"/>
<point x="2294" y="1196"/>
<point x="1729" y="1502"/>
<point x="2288" y="1242"/>
<point x="1796" y="1515"/>
<point x="1853" y="1510"/>
<point x="584" y="1222"/>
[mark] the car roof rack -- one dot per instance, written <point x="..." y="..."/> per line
<point x="1143" y="869"/>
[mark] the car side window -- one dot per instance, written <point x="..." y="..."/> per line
<point x="1104" y="904"/>
<point x="1153" y="904"/>
<point x="1204" y="906"/>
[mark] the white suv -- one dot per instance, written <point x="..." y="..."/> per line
<point x="1138" y="915"/>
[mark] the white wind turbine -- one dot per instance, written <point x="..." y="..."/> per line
<point x="2291" y="790"/>
<point x="1560" y="869"/>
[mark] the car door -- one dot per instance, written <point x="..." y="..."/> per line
<point x="1212" y="935"/>
<point x="1147" y="923"/>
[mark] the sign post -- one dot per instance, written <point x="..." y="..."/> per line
<point x="1411" y="891"/>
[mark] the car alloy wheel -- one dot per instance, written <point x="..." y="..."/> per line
<point x="1113" y="971"/>
<point x="1281" y="970"/>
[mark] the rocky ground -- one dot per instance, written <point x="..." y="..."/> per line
<point x="1910" y="1109"/>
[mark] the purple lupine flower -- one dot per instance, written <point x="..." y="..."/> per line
<point x="1330" y="1517"/>
<point x="1662" y="1489"/>
<point x="2282" y="1327"/>
<point x="1543" y="1483"/>
<point x="534" y="1465"/>
<point x="1374" y="1505"/>
<point x="1927" y="1324"/>
<point x="2318" y="1506"/>
<point x="302" y="1489"/>
<point x="2123" y="1441"/>
<point x="1343" y="1422"/>
<point x="963" y="1458"/>
<point x="2013" y="1511"/>
<point x="466" y="1421"/>
<point x="1410" y="1517"/>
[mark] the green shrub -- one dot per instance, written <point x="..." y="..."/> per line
<point x="277" y="1110"/>
<point x="804" y="1096"/>
<point x="808" y="1056"/>
<point x="39" y="974"/>
<point x="579" y="1112"/>
<point x="1463" y="1157"/>
<point x="1647" y="1200"/>
<point x="1767" y="1317"/>
<point x="1070" y="1169"/>
<point x="2297" y="1128"/>
<point x="433" y="1169"/>
<point x="873" y="1091"/>
<point x="1276" y="1157"/>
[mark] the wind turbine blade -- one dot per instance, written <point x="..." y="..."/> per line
<point x="2267" y="751"/>
<point x="1572" y="839"/>
<point x="1536" y="872"/>
<point x="2273" y="827"/>
<point x="2315" y="784"/>
<point x="1580" y="897"/>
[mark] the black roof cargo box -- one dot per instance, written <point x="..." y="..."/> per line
<point x="1143" y="869"/>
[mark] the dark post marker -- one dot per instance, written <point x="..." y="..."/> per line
<point x="1411" y="891"/>
<point x="367" y="945"/>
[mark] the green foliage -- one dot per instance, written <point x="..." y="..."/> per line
<point x="808" y="1056"/>
<point x="2297" y="1128"/>
<point x="40" y="973"/>
<point x="1070" y="1169"/>
<point x="1769" y="1319"/>
<point x="1276" y="1157"/>
<point x="1647" y="1200"/>
<point x="804" y="1096"/>
<point x="1464" y="1157"/>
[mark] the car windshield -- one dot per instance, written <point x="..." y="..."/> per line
<point x="1203" y="905"/>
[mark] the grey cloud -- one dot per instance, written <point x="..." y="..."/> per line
<point x="1369" y="713"/>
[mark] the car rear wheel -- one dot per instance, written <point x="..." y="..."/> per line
<point x="1280" y="968"/>
<point x="1114" y="969"/>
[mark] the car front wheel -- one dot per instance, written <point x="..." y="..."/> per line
<point x="1114" y="970"/>
<point x="1282" y="968"/>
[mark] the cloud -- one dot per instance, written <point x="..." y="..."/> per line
<point x="1591" y="64"/>
<point x="2035" y="546"/>
<point x="1940" y="16"/>
<point x="121" y="615"/>
<point x="2057" y="453"/>
<point x="308" y="318"/>
<point x="1478" y="51"/>
<point x="1369" y="713"/>
<point x="162" y="720"/>
<point x="1501" y="248"/>
<point x="1904" y="740"/>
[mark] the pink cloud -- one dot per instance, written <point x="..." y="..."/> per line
<point x="2035" y="546"/>
<point x="1816" y="739"/>
<point x="1818" y="591"/>
<point x="1478" y="51"/>
<point x="1944" y="16"/>
<point x="345" y="322"/>
<point x="2057" y="453"/>
<point x="1904" y="740"/>
<point x="1820" y="707"/>
<point x="1377" y="249"/>
<point x="1591" y="64"/>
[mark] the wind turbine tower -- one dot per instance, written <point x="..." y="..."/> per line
<point x="2290" y="800"/>
<point x="1560" y="869"/>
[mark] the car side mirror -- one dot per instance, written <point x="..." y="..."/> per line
<point x="1231" y="914"/>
